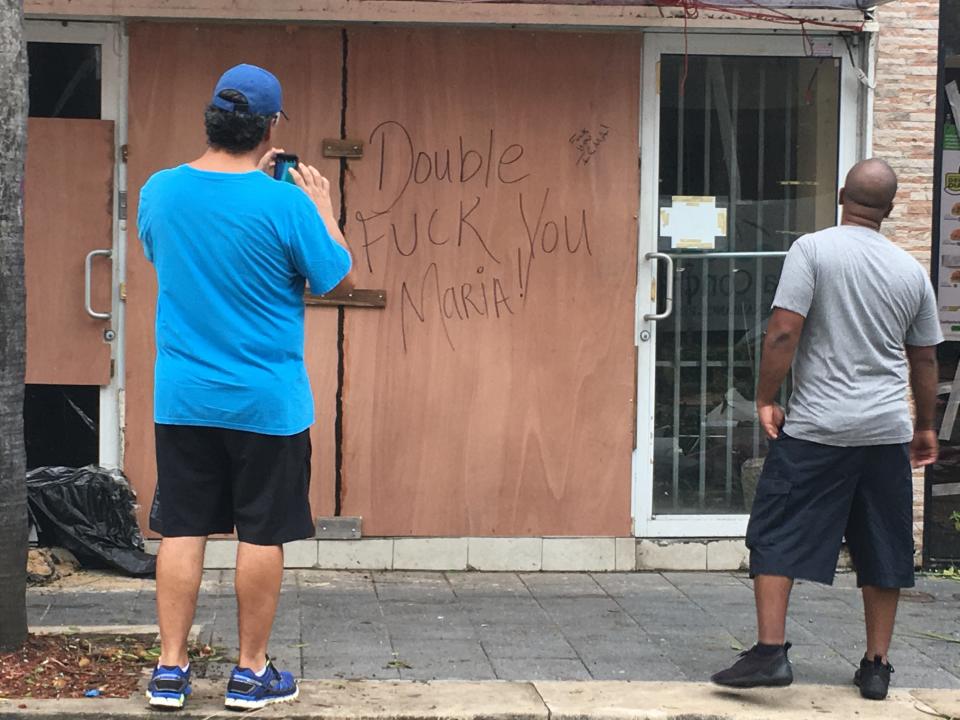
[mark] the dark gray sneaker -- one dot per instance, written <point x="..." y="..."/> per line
<point x="873" y="678"/>
<point x="756" y="668"/>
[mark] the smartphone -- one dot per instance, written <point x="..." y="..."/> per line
<point x="283" y="163"/>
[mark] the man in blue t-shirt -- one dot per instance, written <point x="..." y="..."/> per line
<point x="233" y="250"/>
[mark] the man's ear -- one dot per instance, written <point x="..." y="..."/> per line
<point x="841" y="195"/>
<point x="889" y="210"/>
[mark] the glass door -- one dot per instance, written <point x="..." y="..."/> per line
<point x="745" y="159"/>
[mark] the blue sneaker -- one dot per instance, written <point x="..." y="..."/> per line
<point x="169" y="687"/>
<point x="249" y="691"/>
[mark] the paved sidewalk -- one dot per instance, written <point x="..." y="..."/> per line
<point x="537" y="627"/>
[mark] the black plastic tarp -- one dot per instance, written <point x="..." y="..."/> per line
<point x="91" y="512"/>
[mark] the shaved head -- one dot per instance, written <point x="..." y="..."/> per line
<point x="872" y="184"/>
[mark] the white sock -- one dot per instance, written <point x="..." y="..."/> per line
<point x="261" y="673"/>
<point x="183" y="668"/>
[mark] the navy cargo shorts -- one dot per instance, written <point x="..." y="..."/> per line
<point x="810" y="496"/>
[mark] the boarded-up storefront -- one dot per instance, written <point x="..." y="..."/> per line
<point x="550" y="361"/>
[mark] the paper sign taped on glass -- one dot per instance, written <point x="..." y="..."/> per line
<point x="693" y="222"/>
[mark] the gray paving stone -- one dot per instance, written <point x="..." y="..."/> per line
<point x="443" y="659"/>
<point x="539" y="669"/>
<point x="629" y="584"/>
<point x="648" y="672"/>
<point x="362" y="631"/>
<point x="938" y="654"/>
<point x="916" y="668"/>
<point x="518" y="634"/>
<point x="588" y="633"/>
<point x="432" y="593"/>
<point x="702" y="579"/>
<point x="565" y="626"/>
<point x="316" y="649"/>
<point x="449" y="669"/>
<point x="336" y="582"/>
<point x="499" y="585"/>
<point x="361" y="668"/>
<point x="536" y="646"/>
<point x="444" y="623"/>
<point x="84" y="608"/>
<point x="641" y="661"/>
<point x="632" y="666"/>
<point x="562" y="585"/>
<point x="487" y="612"/>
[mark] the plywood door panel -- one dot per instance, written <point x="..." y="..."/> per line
<point x="66" y="215"/>
<point x="173" y="69"/>
<point x="497" y="205"/>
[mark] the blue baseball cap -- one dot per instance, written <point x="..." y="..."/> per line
<point x="260" y="88"/>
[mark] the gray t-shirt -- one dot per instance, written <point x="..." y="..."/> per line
<point x="864" y="299"/>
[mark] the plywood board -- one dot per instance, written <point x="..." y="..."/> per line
<point x="496" y="205"/>
<point x="66" y="215"/>
<point x="173" y="69"/>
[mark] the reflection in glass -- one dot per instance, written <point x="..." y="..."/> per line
<point x="761" y="136"/>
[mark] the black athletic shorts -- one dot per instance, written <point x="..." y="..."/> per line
<point x="212" y="480"/>
<point x="810" y="496"/>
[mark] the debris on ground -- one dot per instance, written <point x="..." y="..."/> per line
<point x="47" y="565"/>
<point x="78" y="665"/>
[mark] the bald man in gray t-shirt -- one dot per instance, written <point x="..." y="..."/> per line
<point x="863" y="300"/>
<point x="856" y="317"/>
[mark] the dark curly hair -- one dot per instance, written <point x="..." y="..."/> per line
<point x="235" y="132"/>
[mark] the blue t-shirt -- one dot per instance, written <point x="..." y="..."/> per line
<point x="232" y="253"/>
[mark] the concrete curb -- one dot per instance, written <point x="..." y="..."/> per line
<point x="496" y="700"/>
<point x="192" y="636"/>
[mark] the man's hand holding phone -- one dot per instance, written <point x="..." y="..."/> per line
<point x="269" y="160"/>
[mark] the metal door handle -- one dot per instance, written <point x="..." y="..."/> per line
<point x="668" y="310"/>
<point x="87" y="274"/>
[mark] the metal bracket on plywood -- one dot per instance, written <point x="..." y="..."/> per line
<point x="346" y="148"/>
<point x="339" y="528"/>
<point x="354" y="298"/>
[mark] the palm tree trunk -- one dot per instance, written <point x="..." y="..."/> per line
<point x="13" y="488"/>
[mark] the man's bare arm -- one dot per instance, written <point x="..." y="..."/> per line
<point x="349" y="281"/>
<point x="779" y="347"/>
<point x="317" y="187"/>
<point x="924" y="376"/>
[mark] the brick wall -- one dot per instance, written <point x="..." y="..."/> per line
<point x="904" y="117"/>
<point x="905" y="113"/>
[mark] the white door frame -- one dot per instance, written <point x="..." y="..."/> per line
<point x="113" y="106"/>
<point x="854" y="136"/>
